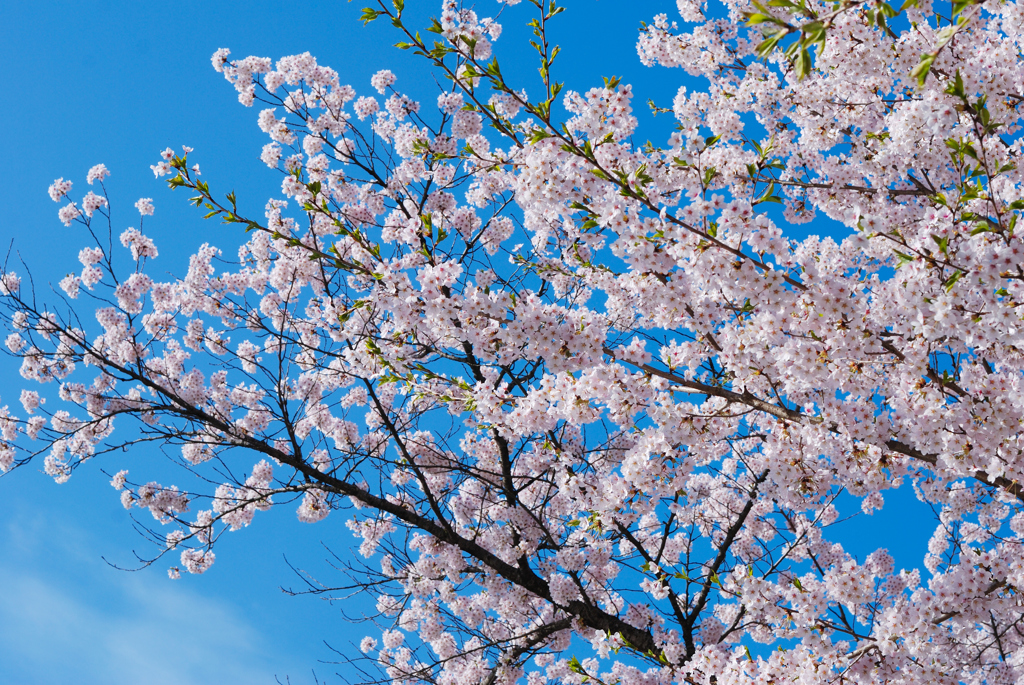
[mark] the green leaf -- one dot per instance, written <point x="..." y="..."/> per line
<point x="803" y="64"/>
<point x="768" y="45"/>
<point x="611" y="83"/>
<point x="369" y="14"/>
<point x="956" y="87"/>
<point x="768" y="195"/>
<point x="554" y="11"/>
<point x="951" y="281"/>
<point x="920" y="72"/>
<point x="960" y="5"/>
<point x="756" y="18"/>
<point x="814" y="32"/>
<point x="902" y="259"/>
<point x="538" y="135"/>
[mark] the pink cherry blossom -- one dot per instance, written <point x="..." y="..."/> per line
<point x="145" y="206"/>
<point x="382" y="80"/>
<point x="97" y="173"/>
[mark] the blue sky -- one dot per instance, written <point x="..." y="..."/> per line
<point x="116" y="82"/>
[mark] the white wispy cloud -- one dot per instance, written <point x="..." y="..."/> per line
<point x="157" y="635"/>
<point x="65" y="617"/>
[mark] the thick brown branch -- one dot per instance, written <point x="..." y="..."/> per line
<point x="746" y="398"/>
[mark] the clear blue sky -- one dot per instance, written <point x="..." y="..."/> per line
<point x="116" y="82"/>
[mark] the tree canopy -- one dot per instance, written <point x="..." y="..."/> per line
<point x="589" y="405"/>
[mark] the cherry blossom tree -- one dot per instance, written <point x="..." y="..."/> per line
<point x="586" y="403"/>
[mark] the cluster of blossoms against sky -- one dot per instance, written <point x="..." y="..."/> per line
<point x="593" y="412"/>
